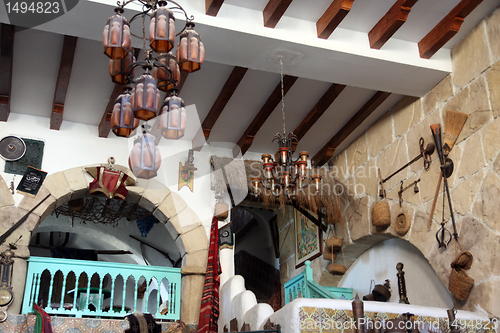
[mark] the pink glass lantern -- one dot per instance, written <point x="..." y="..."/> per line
<point x="256" y="186"/>
<point x="145" y="97"/>
<point x="116" y="36"/>
<point x="173" y="117"/>
<point x="162" y="29"/>
<point x="123" y="122"/>
<point x="190" y="51"/>
<point x="120" y="69"/>
<point x="167" y="79"/>
<point x="145" y="158"/>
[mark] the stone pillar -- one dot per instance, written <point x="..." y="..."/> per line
<point x="192" y="289"/>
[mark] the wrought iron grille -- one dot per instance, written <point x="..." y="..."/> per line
<point x="100" y="209"/>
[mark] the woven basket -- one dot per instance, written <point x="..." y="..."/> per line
<point x="221" y="210"/>
<point x="463" y="260"/>
<point x="381" y="215"/>
<point x="329" y="255"/>
<point x="336" y="269"/>
<point x="334" y="242"/>
<point x="402" y="224"/>
<point x="460" y="284"/>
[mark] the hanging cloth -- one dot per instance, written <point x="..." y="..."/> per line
<point x="42" y="323"/>
<point x="209" y="310"/>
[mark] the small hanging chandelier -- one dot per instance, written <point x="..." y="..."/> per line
<point x="161" y="71"/>
<point x="283" y="174"/>
<point x="145" y="158"/>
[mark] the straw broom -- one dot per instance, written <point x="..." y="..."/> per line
<point x="454" y="121"/>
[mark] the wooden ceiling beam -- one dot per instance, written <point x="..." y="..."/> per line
<point x="272" y="102"/>
<point x="220" y="103"/>
<point x="105" y="124"/>
<point x="63" y="76"/>
<point x="328" y="150"/>
<point x="212" y="7"/>
<point x="390" y="23"/>
<point x="6" y="59"/>
<point x="275" y="9"/>
<point x="332" y="17"/>
<point x="446" y="28"/>
<point x="317" y="111"/>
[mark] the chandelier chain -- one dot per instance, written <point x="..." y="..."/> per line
<point x="282" y="96"/>
<point x="144" y="37"/>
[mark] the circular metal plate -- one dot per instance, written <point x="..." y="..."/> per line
<point x="12" y="148"/>
<point x="6" y="296"/>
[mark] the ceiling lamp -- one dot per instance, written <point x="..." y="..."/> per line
<point x="123" y="122"/>
<point x="145" y="158"/>
<point x="159" y="71"/>
<point x="283" y="174"/>
<point x="172" y="121"/>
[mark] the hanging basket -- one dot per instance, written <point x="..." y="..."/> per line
<point x="334" y="242"/>
<point x="329" y="255"/>
<point x="221" y="211"/>
<point x="336" y="269"/>
<point x="381" y="215"/>
<point x="402" y="224"/>
<point x="463" y="260"/>
<point x="460" y="284"/>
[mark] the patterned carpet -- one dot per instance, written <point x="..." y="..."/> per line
<point x="26" y="324"/>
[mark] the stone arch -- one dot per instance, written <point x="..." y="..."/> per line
<point x="169" y="208"/>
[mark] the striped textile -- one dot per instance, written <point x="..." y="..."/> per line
<point x="209" y="310"/>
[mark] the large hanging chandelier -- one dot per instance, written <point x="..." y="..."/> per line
<point x="160" y="71"/>
<point x="282" y="173"/>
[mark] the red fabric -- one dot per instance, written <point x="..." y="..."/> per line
<point x="46" y="325"/>
<point x="209" y="310"/>
<point x="111" y="183"/>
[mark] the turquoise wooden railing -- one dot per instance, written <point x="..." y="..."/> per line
<point x="56" y="279"/>
<point x="304" y="286"/>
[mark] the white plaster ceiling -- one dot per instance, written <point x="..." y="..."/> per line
<point x="237" y="37"/>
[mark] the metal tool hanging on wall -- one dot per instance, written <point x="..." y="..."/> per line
<point x="424" y="153"/>
<point x="415" y="189"/>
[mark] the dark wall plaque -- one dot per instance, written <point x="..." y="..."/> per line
<point x="31" y="181"/>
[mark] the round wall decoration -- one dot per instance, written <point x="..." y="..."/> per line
<point x="402" y="224"/>
<point x="12" y="148"/>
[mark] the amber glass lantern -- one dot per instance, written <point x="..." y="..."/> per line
<point x="168" y="74"/>
<point x="121" y="69"/>
<point x="172" y="117"/>
<point x="123" y="122"/>
<point x="145" y="97"/>
<point x="162" y="29"/>
<point x="145" y="158"/>
<point x="116" y="36"/>
<point x="190" y="52"/>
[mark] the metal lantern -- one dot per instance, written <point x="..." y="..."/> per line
<point x="190" y="51"/>
<point x="116" y="36"/>
<point x="145" y="158"/>
<point x="168" y="74"/>
<point x="145" y="97"/>
<point x="120" y="69"/>
<point x="123" y="122"/>
<point x="162" y="29"/>
<point x="172" y="117"/>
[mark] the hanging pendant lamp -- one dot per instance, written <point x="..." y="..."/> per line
<point x="172" y="119"/>
<point x="120" y="69"/>
<point x="162" y="29"/>
<point x="190" y="51"/>
<point x="168" y="74"/>
<point x="116" y="36"/>
<point x="145" y="97"/>
<point x="123" y="122"/>
<point x="145" y="158"/>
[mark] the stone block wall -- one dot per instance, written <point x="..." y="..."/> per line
<point x="472" y="88"/>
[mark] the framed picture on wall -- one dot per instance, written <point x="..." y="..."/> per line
<point x="307" y="239"/>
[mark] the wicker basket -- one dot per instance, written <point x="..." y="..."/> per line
<point x="221" y="211"/>
<point x="460" y="283"/>
<point x="336" y="269"/>
<point x="463" y="260"/>
<point x="334" y="242"/>
<point x="329" y="255"/>
<point x="402" y="224"/>
<point x="381" y="215"/>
